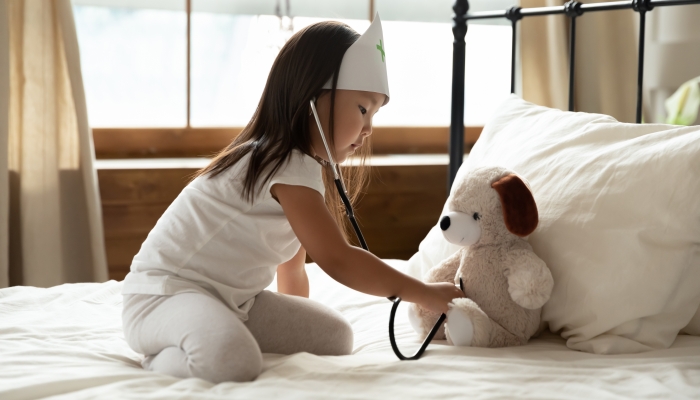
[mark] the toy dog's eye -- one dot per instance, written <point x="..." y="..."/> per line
<point x="476" y="216"/>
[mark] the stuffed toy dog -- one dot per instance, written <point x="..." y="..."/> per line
<point x="505" y="283"/>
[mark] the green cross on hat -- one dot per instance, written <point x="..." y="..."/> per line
<point x="361" y="69"/>
<point x="381" y="49"/>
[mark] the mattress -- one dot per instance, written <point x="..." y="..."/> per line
<point x="66" y="342"/>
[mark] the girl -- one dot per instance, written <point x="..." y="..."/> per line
<point x="194" y="301"/>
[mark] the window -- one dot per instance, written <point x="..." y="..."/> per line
<point x="134" y="64"/>
<point x="231" y="58"/>
<point x="134" y="58"/>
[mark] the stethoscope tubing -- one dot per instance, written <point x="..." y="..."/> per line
<point x="426" y="342"/>
<point x="338" y="178"/>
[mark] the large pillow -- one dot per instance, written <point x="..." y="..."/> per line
<point x="619" y="208"/>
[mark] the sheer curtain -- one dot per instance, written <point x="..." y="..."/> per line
<point x="606" y="60"/>
<point x="50" y="216"/>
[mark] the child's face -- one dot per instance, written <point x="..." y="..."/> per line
<point x="353" y="121"/>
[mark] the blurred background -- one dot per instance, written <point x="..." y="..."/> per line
<point x="113" y="105"/>
<point x="134" y="58"/>
<point x="169" y="82"/>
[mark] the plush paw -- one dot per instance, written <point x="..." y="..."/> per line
<point x="530" y="287"/>
<point x="459" y="328"/>
<point x="467" y="325"/>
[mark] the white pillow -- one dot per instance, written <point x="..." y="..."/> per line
<point x="619" y="208"/>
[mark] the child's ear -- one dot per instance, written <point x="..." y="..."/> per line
<point x="519" y="208"/>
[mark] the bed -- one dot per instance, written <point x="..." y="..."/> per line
<point x="67" y="342"/>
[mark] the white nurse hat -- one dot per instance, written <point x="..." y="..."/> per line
<point x="364" y="64"/>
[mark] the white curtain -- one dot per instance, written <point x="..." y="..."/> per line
<point x="50" y="214"/>
<point x="543" y="55"/>
<point x="606" y="60"/>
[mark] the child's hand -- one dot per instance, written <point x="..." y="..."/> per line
<point x="438" y="295"/>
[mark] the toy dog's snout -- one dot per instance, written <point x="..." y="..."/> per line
<point x="460" y="228"/>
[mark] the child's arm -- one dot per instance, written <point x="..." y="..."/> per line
<point x="354" y="267"/>
<point x="291" y="276"/>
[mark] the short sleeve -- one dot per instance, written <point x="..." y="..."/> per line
<point x="299" y="170"/>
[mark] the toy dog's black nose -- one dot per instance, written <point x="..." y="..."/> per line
<point x="444" y="223"/>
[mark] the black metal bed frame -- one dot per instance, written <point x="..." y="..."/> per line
<point x="572" y="9"/>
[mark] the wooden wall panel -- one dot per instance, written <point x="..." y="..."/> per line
<point x="402" y="203"/>
<point x="130" y="186"/>
<point x="203" y="142"/>
<point x="120" y="251"/>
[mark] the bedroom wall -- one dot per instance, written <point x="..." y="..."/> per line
<point x="672" y="55"/>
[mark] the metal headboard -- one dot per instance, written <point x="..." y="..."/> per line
<point x="572" y="9"/>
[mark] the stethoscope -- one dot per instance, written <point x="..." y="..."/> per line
<point x="342" y="191"/>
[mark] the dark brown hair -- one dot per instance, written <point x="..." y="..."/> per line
<point x="280" y="123"/>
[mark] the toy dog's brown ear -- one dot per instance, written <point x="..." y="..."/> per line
<point x="519" y="208"/>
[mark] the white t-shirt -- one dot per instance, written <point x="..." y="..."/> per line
<point x="213" y="241"/>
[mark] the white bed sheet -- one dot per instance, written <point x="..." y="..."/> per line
<point x="66" y="342"/>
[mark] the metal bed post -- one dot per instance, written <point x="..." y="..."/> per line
<point x="513" y="14"/>
<point x="572" y="9"/>
<point x="459" y="31"/>
<point x="641" y="6"/>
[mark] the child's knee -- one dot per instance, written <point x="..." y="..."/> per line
<point x="235" y="357"/>
<point x="341" y="337"/>
<point x="243" y="367"/>
<point x="217" y="360"/>
<point x="170" y="361"/>
<point x="216" y="366"/>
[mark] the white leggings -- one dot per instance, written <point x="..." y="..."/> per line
<point x="196" y="335"/>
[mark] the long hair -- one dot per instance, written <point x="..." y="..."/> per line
<point x="280" y="123"/>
